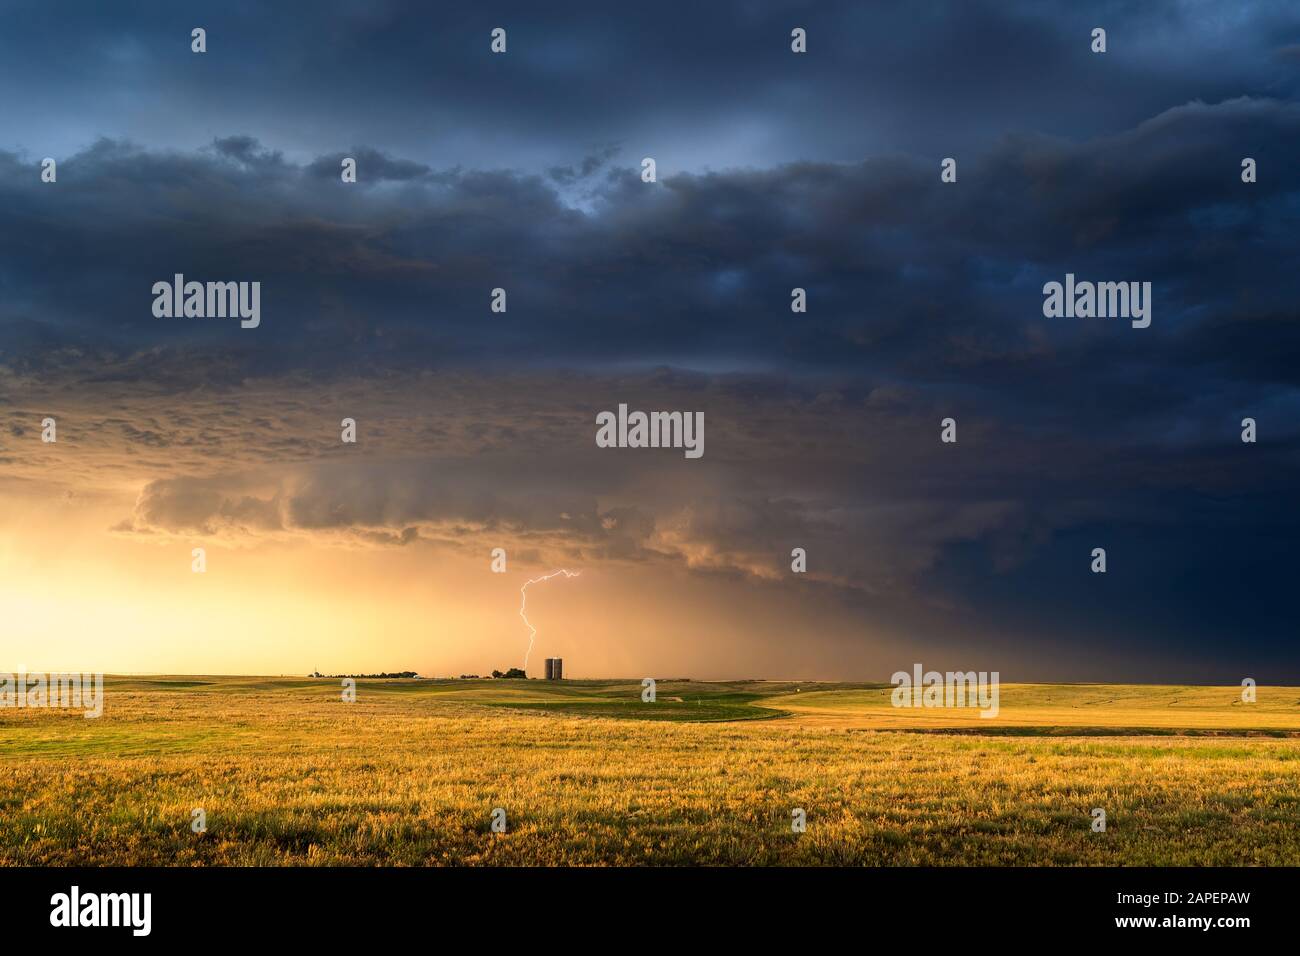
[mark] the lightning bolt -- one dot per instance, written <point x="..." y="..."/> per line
<point x="523" y="600"/>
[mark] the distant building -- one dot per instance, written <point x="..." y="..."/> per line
<point x="555" y="668"/>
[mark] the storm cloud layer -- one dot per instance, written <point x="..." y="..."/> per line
<point x="777" y="172"/>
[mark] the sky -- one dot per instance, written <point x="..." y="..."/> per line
<point x="476" y="429"/>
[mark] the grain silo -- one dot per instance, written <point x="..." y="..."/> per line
<point x="554" y="668"/>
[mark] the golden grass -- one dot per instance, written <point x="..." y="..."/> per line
<point x="290" y="775"/>
<point x="1140" y="707"/>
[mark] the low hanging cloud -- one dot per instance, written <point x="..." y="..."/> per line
<point x="477" y="504"/>
<point x="823" y="427"/>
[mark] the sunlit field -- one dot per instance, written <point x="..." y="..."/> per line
<point x="289" y="774"/>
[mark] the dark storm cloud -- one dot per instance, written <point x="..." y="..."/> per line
<point x="378" y="166"/>
<point x="935" y="286"/>
<point x="776" y="171"/>
<point x="694" y="84"/>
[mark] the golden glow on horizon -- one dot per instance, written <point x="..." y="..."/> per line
<point x="78" y="597"/>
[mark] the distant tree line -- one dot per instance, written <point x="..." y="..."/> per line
<point x="514" y="672"/>
<point x="384" y="676"/>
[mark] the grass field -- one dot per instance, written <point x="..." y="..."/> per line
<point x="287" y="773"/>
